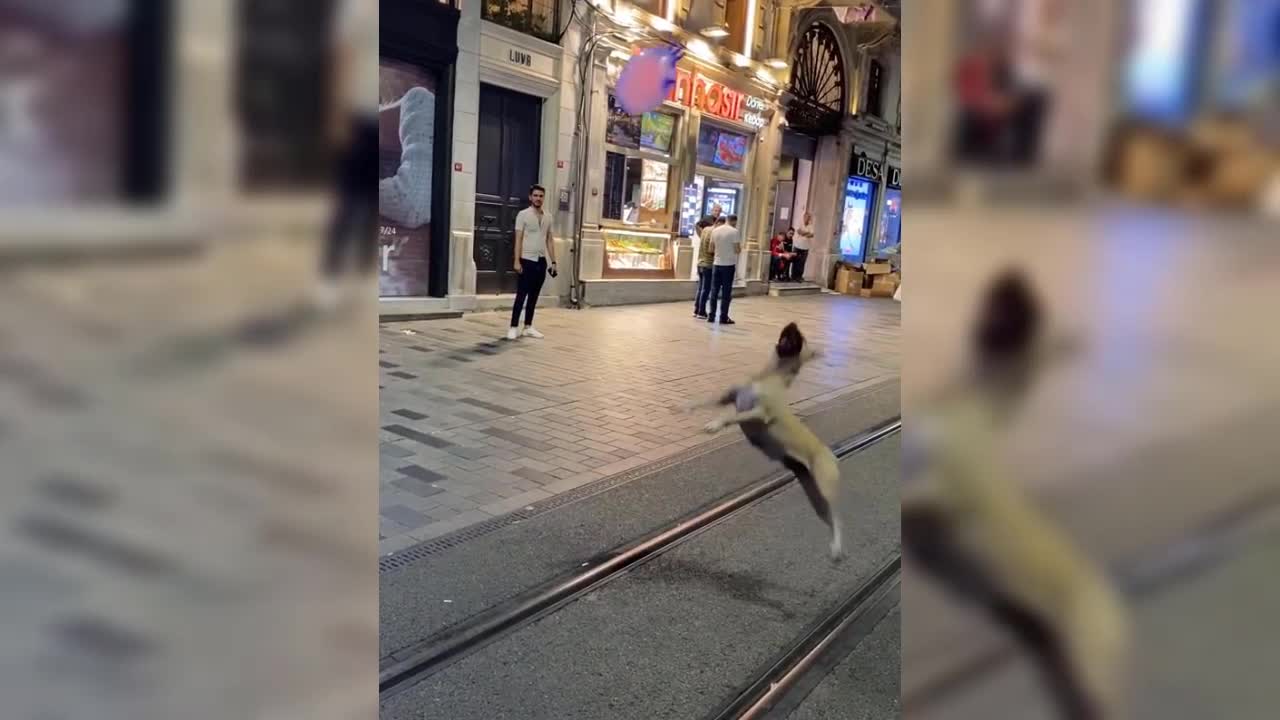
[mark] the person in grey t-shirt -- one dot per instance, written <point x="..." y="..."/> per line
<point x="534" y="246"/>
<point x="728" y="243"/>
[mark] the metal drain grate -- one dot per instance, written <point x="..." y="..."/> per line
<point x="412" y="555"/>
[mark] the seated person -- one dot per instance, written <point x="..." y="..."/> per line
<point x="780" y="258"/>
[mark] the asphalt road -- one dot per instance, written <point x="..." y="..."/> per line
<point x="678" y="635"/>
<point x="459" y="582"/>
<point x="866" y="684"/>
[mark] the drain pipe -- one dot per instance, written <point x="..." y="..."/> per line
<point x="581" y="140"/>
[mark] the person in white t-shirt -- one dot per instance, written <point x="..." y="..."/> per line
<point x="728" y="243"/>
<point x="534" y="247"/>
<point x="353" y="126"/>
<point x="801" y="244"/>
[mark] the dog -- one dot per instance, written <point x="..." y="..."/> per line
<point x="974" y="531"/>
<point x="760" y="409"/>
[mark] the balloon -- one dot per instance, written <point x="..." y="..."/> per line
<point x="647" y="79"/>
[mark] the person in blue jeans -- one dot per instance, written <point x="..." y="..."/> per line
<point x="728" y="246"/>
<point x="706" y="259"/>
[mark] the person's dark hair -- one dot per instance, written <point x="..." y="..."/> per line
<point x="733" y="218"/>
<point x="537" y="187"/>
<point x="790" y="342"/>
<point x="1009" y="319"/>
<point x="704" y="223"/>
<point x="722" y="220"/>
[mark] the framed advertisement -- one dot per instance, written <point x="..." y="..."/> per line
<point x="406" y="145"/>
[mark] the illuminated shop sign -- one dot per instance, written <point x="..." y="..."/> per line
<point x="876" y="170"/>
<point x="718" y="100"/>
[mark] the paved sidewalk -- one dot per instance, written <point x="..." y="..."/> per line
<point x="474" y="427"/>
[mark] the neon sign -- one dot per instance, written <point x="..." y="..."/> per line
<point x="716" y="99"/>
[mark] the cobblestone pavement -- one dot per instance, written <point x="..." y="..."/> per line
<point x="474" y="426"/>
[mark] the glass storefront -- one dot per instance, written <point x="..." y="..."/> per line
<point x="637" y="201"/>
<point x="406" y="144"/>
<point x="855" y="220"/>
<point x="653" y="192"/>
<point x="889" y="229"/>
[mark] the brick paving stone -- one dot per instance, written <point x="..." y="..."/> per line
<point x="597" y="397"/>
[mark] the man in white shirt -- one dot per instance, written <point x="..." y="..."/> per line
<point x="728" y="242"/>
<point x="801" y="244"/>
<point x="534" y="245"/>
<point x="354" y="127"/>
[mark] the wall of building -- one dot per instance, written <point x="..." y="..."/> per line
<point x="483" y="59"/>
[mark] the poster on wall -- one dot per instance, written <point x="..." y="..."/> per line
<point x="853" y="222"/>
<point x="406" y="141"/>
<point x="62" y="106"/>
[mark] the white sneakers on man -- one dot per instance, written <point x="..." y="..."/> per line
<point x="513" y="333"/>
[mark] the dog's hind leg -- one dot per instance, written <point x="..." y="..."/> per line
<point x="820" y="488"/>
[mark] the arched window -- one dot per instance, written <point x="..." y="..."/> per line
<point x="817" y="83"/>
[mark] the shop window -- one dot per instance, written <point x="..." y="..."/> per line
<point x="722" y="149"/>
<point x="653" y="131"/>
<point x="636" y="191"/>
<point x="889" y="234"/>
<point x="856" y="217"/>
<point x="875" y="89"/>
<point x="539" y="18"/>
<point x="407" y="105"/>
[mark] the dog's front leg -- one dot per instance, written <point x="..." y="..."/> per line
<point x="724" y="421"/>
<point x="728" y="396"/>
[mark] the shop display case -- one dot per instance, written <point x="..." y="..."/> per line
<point x="637" y="253"/>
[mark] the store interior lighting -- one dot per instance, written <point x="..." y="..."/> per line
<point x="766" y="76"/>
<point x="715" y="32"/>
<point x="741" y="60"/>
<point x="661" y="24"/>
<point x="624" y="16"/>
<point x="700" y="48"/>
<point x="776" y="63"/>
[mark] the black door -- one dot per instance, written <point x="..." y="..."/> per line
<point x="507" y="164"/>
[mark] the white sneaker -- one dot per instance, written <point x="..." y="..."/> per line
<point x="531" y="332"/>
<point x="513" y="333"/>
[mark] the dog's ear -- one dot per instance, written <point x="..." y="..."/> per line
<point x="790" y="342"/>
<point x="1009" y="319"/>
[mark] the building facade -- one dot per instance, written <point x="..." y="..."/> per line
<point x="842" y="148"/>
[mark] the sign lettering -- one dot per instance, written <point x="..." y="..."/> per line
<point x="713" y="98"/>
<point x="868" y="168"/>
<point x="895" y="177"/>
<point x="520" y="58"/>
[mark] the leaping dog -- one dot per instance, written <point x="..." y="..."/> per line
<point x="760" y="409"/>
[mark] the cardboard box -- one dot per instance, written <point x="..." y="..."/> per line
<point x="882" y="286"/>
<point x="848" y="280"/>
<point x="877" y="268"/>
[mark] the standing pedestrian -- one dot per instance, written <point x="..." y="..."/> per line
<point x="353" y="127"/>
<point x="534" y="245"/>
<point x="706" y="259"/>
<point x="728" y="246"/>
<point x="801" y="244"/>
